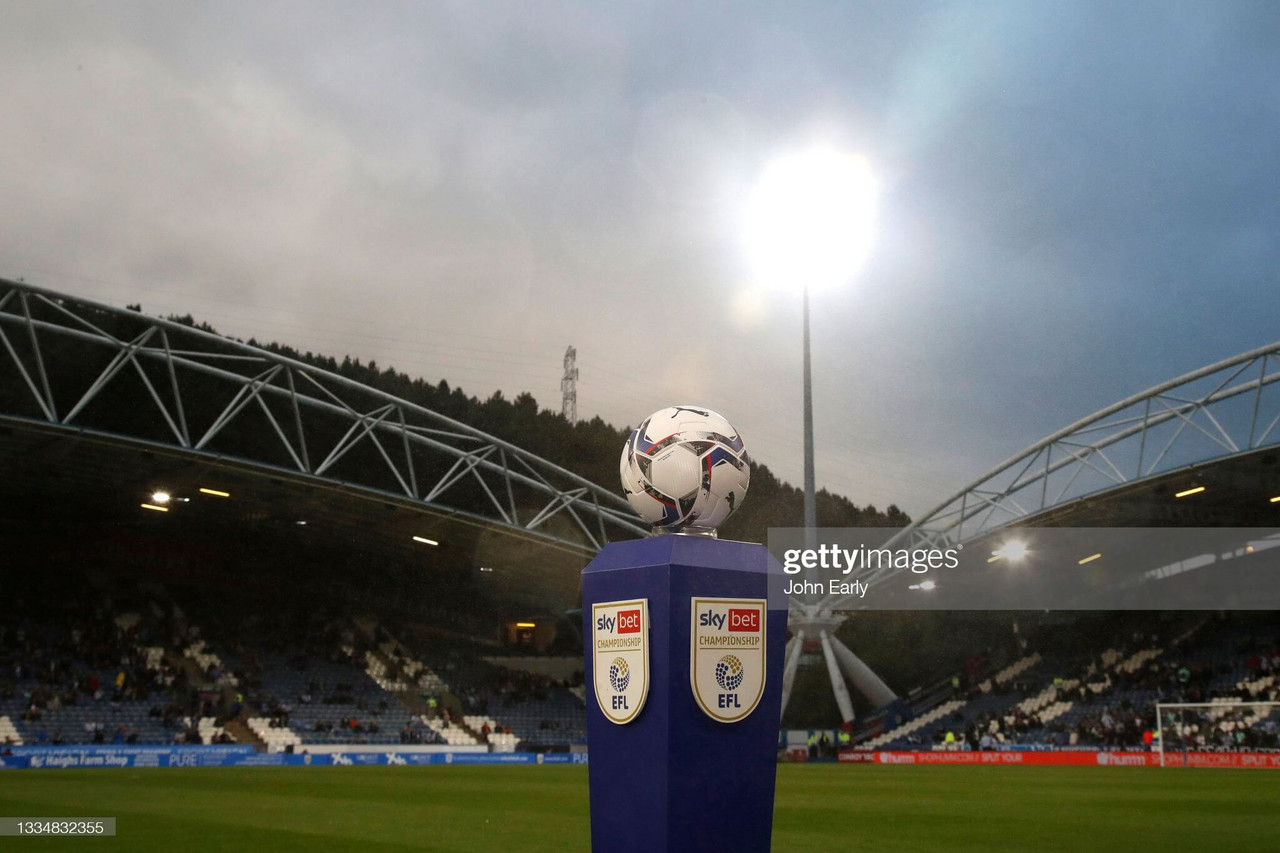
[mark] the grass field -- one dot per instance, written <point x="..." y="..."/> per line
<point x="819" y="808"/>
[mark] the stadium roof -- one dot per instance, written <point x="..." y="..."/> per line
<point x="100" y="407"/>
<point x="1199" y="450"/>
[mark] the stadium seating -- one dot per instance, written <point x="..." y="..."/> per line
<point x="139" y="667"/>
<point x="1010" y="672"/>
<point x="210" y="731"/>
<point x="1106" y="699"/>
<point x="539" y="712"/>
<point x="330" y="701"/>
<point x="9" y="735"/>
<point x="559" y="720"/>
<point x="904" y="731"/>
<point x="450" y="734"/>
<point x="276" y="739"/>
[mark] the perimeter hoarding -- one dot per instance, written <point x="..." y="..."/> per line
<point x="74" y="757"/>
<point x="1063" y="758"/>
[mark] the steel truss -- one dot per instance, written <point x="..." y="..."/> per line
<point x="283" y="401"/>
<point x="1221" y="410"/>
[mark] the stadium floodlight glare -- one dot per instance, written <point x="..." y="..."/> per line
<point x="1015" y="551"/>
<point x="155" y="508"/>
<point x="1193" y="491"/>
<point x="160" y="497"/>
<point x="215" y="493"/>
<point x="425" y="541"/>
<point x="1090" y="558"/>
<point x="810" y="219"/>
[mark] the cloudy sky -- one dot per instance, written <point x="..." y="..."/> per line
<point x="1077" y="200"/>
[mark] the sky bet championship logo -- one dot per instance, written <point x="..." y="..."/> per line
<point x="727" y="656"/>
<point x="620" y="639"/>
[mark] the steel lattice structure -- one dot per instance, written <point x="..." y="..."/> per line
<point x="1221" y="410"/>
<point x="192" y="389"/>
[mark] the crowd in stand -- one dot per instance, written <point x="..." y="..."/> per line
<point x="82" y="653"/>
<point x="136" y="649"/>
<point x="1187" y="673"/>
<point x="417" y="732"/>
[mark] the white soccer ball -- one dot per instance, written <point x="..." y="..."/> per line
<point x="685" y="467"/>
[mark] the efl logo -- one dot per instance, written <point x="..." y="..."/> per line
<point x="621" y="658"/>
<point x="727" y="655"/>
<point x="629" y="622"/>
<point x="744" y="620"/>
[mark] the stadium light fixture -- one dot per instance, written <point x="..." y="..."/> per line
<point x="1192" y="491"/>
<point x="810" y="219"/>
<point x="809" y="224"/>
<point x="215" y="493"/>
<point x="425" y="541"/>
<point x="1089" y="559"/>
<point x="1015" y="551"/>
<point x="160" y="497"/>
<point x="154" y="507"/>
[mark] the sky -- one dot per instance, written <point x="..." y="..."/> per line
<point x="1076" y="201"/>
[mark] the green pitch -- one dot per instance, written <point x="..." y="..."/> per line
<point x="819" y="808"/>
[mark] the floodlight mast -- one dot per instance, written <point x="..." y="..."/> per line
<point x="810" y="500"/>
<point x="569" y="386"/>
<point x="809" y="226"/>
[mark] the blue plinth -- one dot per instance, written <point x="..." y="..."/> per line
<point x="674" y="778"/>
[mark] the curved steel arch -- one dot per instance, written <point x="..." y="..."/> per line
<point x="1218" y="411"/>
<point x="403" y="434"/>
<point x="1143" y="436"/>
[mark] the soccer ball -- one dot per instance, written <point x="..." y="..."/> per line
<point x="685" y="467"/>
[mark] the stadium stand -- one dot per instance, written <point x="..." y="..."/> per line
<point x="9" y="735"/>
<point x="1076" y="695"/>
<point x="276" y="738"/>
<point x="523" y="710"/>
<point x="449" y="733"/>
<point x="906" y="730"/>
<point x="95" y="669"/>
